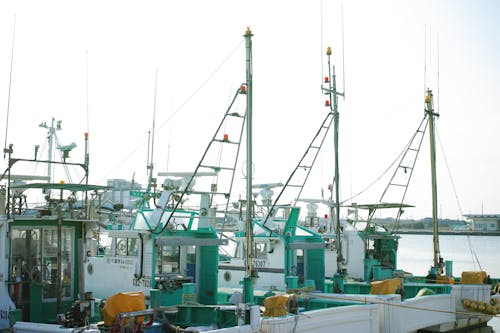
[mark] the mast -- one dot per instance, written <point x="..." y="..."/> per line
<point x="50" y="139"/>
<point x="429" y="110"/>
<point x="247" y="284"/>
<point x="333" y="103"/>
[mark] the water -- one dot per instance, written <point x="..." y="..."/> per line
<point x="415" y="255"/>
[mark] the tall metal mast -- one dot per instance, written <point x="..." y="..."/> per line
<point x="247" y="284"/>
<point x="333" y="103"/>
<point x="429" y="110"/>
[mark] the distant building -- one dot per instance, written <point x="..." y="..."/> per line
<point x="484" y="222"/>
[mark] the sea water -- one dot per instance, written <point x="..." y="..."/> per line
<point x="468" y="253"/>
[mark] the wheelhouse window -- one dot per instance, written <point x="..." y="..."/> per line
<point x="34" y="257"/>
<point x="127" y="246"/>
<point x="168" y="259"/>
<point x="259" y="252"/>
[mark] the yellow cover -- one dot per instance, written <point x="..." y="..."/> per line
<point x="384" y="287"/>
<point x="473" y="277"/>
<point x="443" y="279"/>
<point x="275" y="306"/>
<point x="123" y="302"/>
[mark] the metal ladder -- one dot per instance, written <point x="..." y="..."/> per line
<point x="212" y="157"/>
<point x="301" y="172"/>
<point x="402" y="174"/>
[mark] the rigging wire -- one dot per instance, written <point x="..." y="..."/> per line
<point x="141" y="144"/>
<point x="383" y="173"/>
<point x="471" y="248"/>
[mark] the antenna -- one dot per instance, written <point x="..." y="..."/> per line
<point x="154" y="115"/>
<point x="88" y="114"/>
<point x="87" y="84"/>
<point x="321" y="36"/>
<point x="438" y="94"/>
<point x="5" y="150"/>
<point x="425" y="58"/>
<point x="343" y="63"/>
<point x="150" y="164"/>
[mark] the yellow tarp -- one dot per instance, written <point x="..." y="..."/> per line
<point x="443" y="279"/>
<point x="123" y="302"/>
<point x="384" y="287"/>
<point x="473" y="277"/>
<point x="275" y="306"/>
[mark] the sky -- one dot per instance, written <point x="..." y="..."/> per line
<point x="115" y="68"/>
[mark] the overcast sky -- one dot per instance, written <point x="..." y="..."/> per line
<point x="392" y="51"/>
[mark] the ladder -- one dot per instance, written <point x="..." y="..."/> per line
<point x="300" y="174"/>
<point x="221" y="147"/>
<point x="398" y="184"/>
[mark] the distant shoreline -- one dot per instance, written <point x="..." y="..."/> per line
<point x="447" y="232"/>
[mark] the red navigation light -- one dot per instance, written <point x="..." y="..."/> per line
<point x="243" y="89"/>
<point x="326" y="79"/>
<point x="226" y="137"/>
<point x="327" y="103"/>
<point x="326" y="216"/>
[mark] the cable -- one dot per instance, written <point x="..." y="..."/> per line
<point x="471" y="248"/>
<point x="174" y="113"/>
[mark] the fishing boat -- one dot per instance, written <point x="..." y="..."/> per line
<point x="171" y="256"/>
<point x="45" y="226"/>
<point x="361" y="257"/>
<point x="170" y="253"/>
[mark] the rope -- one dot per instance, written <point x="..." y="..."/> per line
<point x="365" y="301"/>
<point x="471" y="249"/>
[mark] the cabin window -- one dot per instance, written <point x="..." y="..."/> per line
<point x="238" y="251"/>
<point x="121" y="246"/>
<point x="105" y="244"/>
<point x="168" y="259"/>
<point x="127" y="246"/>
<point x="34" y="257"/>
<point x="261" y="250"/>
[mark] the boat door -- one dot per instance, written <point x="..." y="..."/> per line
<point x="36" y="284"/>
